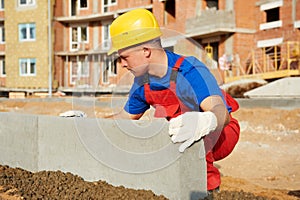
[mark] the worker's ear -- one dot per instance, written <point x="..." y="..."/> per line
<point x="147" y="52"/>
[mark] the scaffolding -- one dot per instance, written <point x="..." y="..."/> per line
<point x="267" y="63"/>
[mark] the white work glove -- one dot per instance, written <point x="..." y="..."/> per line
<point x="191" y="127"/>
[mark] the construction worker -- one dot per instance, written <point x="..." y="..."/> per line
<point x="181" y="89"/>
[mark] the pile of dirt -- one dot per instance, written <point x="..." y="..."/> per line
<point x="237" y="88"/>
<point x="17" y="183"/>
<point x="60" y="185"/>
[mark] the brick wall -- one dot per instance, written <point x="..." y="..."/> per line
<point x="287" y="31"/>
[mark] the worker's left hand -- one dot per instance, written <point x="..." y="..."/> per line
<point x="190" y="127"/>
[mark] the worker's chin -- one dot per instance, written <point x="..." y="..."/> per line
<point x="137" y="73"/>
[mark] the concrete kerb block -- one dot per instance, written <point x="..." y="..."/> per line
<point x="135" y="154"/>
<point x="18" y="140"/>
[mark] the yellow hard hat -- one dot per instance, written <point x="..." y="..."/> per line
<point x="133" y="27"/>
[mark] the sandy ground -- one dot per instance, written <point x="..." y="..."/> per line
<point x="266" y="161"/>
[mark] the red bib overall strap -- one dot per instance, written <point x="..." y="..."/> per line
<point x="166" y="102"/>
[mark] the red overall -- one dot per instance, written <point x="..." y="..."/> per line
<point x="168" y="105"/>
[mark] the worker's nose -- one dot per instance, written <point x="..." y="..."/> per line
<point x="123" y="63"/>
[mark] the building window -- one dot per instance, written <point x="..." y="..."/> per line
<point x="26" y="2"/>
<point x="272" y="19"/>
<point x="79" y="37"/>
<point x="1" y="4"/>
<point x="109" y="68"/>
<point x="107" y="4"/>
<point x="78" y="4"/>
<point x="83" y="4"/>
<point x="212" y="4"/>
<point x="27" y="66"/>
<point x="73" y="7"/>
<point x="2" y="34"/>
<point x="105" y="36"/>
<point x="105" y="78"/>
<point x="79" y="69"/>
<point x="272" y="15"/>
<point x="170" y="11"/>
<point x="2" y="68"/>
<point x="27" y="32"/>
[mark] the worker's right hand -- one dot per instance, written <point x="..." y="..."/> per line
<point x="190" y="127"/>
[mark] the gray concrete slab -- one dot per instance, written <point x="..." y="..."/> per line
<point x="18" y="140"/>
<point x="278" y="103"/>
<point x="135" y="154"/>
<point x="282" y="88"/>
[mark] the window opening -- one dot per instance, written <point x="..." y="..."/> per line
<point x="107" y="4"/>
<point x="27" y="66"/>
<point x="83" y="4"/>
<point x="170" y="11"/>
<point x="1" y="4"/>
<point x="272" y="15"/>
<point x="105" y="36"/>
<point x="171" y="8"/>
<point x="27" y="32"/>
<point x="2" y="68"/>
<point x="109" y="68"/>
<point x="73" y="7"/>
<point x="79" y="69"/>
<point x="212" y="4"/>
<point x="2" y="34"/>
<point x="79" y="36"/>
<point x="25" y="3"/>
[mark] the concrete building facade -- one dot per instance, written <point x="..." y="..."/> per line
<point x="80" y="37"/>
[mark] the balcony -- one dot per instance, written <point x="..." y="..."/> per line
<point x="85" y="18"/>
<point x="97" y="16"/>
<point x="211" y="23"/>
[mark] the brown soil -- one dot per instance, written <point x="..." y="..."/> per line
<point x="264" y="165"/>
<point x="19" y="183"/>
<point x="237" y="91"/>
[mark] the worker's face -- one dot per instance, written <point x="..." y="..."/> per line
<point x="134" y="59"/>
